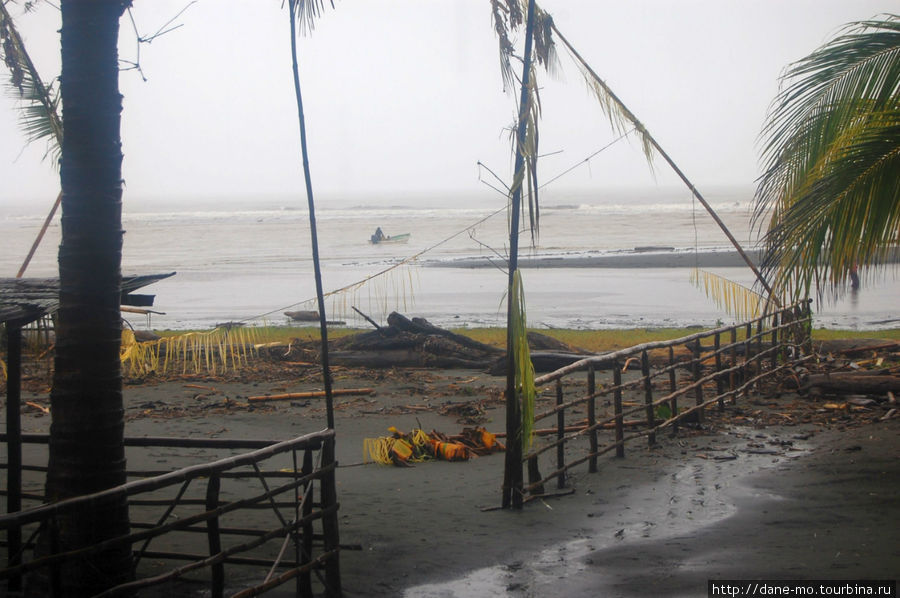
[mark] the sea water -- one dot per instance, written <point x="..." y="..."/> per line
<point x="249" y="259"/>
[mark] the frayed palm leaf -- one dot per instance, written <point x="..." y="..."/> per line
<point x="620" y="117"/>
<point x="734" y="298"/>
<point x="307" y="12"/>
<point x="830" y="192"/>
<point x="524" y="369"/>
<point x="39" y="116"/>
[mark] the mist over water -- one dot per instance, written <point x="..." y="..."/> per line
<point x="250" y="260"/>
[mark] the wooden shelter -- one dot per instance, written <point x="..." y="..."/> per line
<point x="23" y="301"/>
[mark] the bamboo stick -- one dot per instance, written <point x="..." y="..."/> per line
<point x="312" y="394"/>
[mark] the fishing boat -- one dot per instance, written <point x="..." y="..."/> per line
<point x="401" y="238"/>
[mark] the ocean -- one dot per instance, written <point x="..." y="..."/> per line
<point x="601" y="260"/>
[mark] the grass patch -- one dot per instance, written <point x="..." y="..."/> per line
<point x="591" y="340"/>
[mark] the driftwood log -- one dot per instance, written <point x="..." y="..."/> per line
<point x="415" y="342"/>
<point x="853" y="382"/>
<point x="412" y="342"/>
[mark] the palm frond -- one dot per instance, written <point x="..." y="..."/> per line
<point x="307" y="12"/>
<point x="39" y="103"/>
<point x="733" y="298"/>
<point x="830" y="191"/>
<point x="524" y="370"/>
<point x="621" y="118"/>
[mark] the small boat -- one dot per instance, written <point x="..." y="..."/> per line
<point x="401" y="238"/>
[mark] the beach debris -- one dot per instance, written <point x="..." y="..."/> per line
<point x="312" y="394"/>
<point x="402" y="449"/>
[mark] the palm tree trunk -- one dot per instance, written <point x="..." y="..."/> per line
<point x="512" y="472"/>
<point x="320" y="296"/>
<point x="86" y="434"/>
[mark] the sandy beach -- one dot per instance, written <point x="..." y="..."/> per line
<point x="772" y="488"/>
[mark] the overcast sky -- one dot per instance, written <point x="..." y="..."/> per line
<point x="405" y="96"/>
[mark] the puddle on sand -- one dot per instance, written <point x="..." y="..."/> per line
<point x="677" y="504"/>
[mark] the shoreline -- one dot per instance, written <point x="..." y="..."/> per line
<point x="637" y="258"/>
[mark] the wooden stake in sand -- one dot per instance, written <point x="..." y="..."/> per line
<point x="312" y="394"/>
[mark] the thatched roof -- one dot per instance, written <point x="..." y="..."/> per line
<point x="24" y="300"/>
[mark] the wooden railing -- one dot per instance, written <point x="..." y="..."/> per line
<point x="734" y="360"/>
<point x="205" y="524"/>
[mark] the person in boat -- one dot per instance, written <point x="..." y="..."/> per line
<point x="378" y="236"/>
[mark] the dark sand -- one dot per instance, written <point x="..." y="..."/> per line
<point x="812" y="500"/>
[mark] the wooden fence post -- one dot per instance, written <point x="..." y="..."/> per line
<point x="617" y="405"/>
<point x="774" y="341"/>
<point x="732" y="375"/>
<point x="592" y="418"/>
<point x="697" y="370"/>
<point x="217" y="570"/>
<point x="306" y="541"/>
<point x="648" y="396"/>
<point x="560" y="434"/>
<point x="330" y="533"/>
<point x="720" y="384"/>
<point x="673" y="386"/>
<point x="14" y="449"/>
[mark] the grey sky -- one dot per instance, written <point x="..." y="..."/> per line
<point x="404" y="96"/>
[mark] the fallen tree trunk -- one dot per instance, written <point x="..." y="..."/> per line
<point x="853" y="383"/>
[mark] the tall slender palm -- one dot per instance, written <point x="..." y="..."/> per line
<point x="87" y="431"/>
<point x="831" y="184"/>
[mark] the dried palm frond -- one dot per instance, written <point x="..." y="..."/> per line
<point x="734" y="298"/>
<point x="524" y="369"/>
<point x="39" y="115"/>
<point x="307" y="11"/>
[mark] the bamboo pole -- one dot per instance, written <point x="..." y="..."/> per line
<point x="512" y="471"/>
<point x="646" y="135"/>
<point x="312" y="394"/>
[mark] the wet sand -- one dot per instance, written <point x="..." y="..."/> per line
<point x="727" y="501"/>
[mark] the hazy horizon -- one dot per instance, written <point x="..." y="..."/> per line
<point x="405" y="97"/>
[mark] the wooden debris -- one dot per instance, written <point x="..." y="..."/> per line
<point x="312" y="394"/>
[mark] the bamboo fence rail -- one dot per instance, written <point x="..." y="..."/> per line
<point x="201" y="505"/>
<point x="727" y="368"/>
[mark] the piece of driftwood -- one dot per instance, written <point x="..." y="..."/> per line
<point x="853" y="383"/>
<point x="312" y="394"/>
<point x="412" y="342"/>
<point x="310" y="316"/>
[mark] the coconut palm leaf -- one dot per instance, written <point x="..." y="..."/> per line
<point x="735" y="299"/>
<point x="39" y="102"/>
<point x="830" y="192"/>
<point x="307" y="11"/>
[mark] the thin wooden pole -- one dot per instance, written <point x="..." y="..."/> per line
<point x="774" y="341"/>
<point x="695" y="366"/>
<point x="560" y="434"/>
<point x="617" y="405"/>
<point x="732" y="374"/>
<point x="648" y="396"/>
<point x="647" y="136"/>
<point x="306" y="541"/>
<point x="40" y="236"/>
<point x="330" y="533"/>
<point x="720" y="384"/>
<point x="592" y="418"/>
<point x="217" y="570"/>
<point x="14" y="447"/>
<point x="512" y="473"/>
<point x="673" y="386"/>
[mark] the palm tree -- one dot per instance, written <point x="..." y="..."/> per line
<point x="831" y="183"/>
<point x="87" y="431"/>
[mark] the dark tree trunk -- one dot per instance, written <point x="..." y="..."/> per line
<point x="86" y="435"/>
